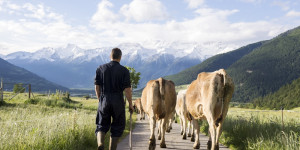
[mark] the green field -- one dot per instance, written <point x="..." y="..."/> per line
<point x="52" y="122"/>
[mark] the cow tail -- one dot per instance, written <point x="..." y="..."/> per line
<point x="162" y="96"/>
<point x="162" y="88"/>
<point x="222" y="99"/>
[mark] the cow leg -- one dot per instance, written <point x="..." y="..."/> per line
<point x="168" y="128"/>
<point x="184" y="128"/>
<point x="219" y="132"/>
<point x="193" y="132"/>
<point x="181" y="126"/>
<point x="189" y="129"/>
<point x="212" y="131"/>
<point x="170" y="123"/>
<point x="164" y="123"/>
<point x="159" y="130"/>
<point x="209" y="142"/>
<point x="152" y="143"/>
<point x="197" y="130"/>
<point x="143" y="115"/>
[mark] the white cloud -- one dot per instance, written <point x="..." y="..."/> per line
<point x="284" y="5"/>
<point x="293" y="13"/>
<point x="252" y="1"/>
<point x="40" y="12"/>
<point x="103" y="15"/>
<point x="194" y="3"/>
<point x="209" y="12"/>
<point x="109" y="27"/>
<point x="13" y="6"/>
<point x="144" y="10"/>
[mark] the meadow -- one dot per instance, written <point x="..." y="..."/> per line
<point x="50" y="122"/>
<point x="260" y="129"/>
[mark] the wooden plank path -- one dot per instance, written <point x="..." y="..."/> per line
<point x="141" y="134"/>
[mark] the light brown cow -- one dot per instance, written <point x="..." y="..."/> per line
<point x="138" y="105"/>
<point x="182" y="112"/>
<point x="158" y="102"/>
<point x="208" y="98"/>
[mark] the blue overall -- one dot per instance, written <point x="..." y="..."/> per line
<point x="113" y="78"/>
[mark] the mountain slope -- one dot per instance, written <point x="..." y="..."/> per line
<point x="13" y="74"/>
<point x="287" y="96"/>
<point x="211" y="64"/>
<point x="260" y="69"/>
<point x="266" y="69"/>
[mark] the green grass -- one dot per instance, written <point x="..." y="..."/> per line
<point x="259" y="129"/>
<point x="48" y="123"/>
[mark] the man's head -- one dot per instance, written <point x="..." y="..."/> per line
<point x="116" y="54"/>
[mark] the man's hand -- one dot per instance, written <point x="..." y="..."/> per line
<point x="98" y="91"/>
<point x="128" y="94"/>
<point x="131" y="109"/>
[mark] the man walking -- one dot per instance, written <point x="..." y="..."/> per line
<point x="110" y="82"/>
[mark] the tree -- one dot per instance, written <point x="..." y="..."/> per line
<point x="19" y="88"/>
<point x="134" y="77"/>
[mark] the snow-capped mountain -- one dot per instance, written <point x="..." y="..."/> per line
<point x="75" y="67"/>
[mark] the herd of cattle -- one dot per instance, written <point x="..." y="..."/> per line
<point x="207" y="98"/>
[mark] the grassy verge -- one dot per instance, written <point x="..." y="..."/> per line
<point x="49" y="123"/>
<point x="245" y="129"/>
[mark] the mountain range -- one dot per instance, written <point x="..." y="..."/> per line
<point x="12" y="74"/>
<point x="75" y="67"/>
<point x="257" y="69"/>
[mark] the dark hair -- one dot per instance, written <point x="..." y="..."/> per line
<point x="116" y="53"/>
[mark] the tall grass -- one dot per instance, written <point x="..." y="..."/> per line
<point x="258" y="132"/>
<point x="33" y="127"/>
<point x="49" y="123"/>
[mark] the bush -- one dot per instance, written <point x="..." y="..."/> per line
<point x="32" y="101"/>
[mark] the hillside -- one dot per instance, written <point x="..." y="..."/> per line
<point x="212" y="64"/>
<point x="13" y="74"/>
<point x="257" y="69"/>
<point x="269" y="67"/>
<point x="287" y="96"/>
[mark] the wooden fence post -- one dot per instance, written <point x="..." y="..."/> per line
<point x="282" y="117"/>
<point x="29" y="90"/>
<point x="1" y="90"/>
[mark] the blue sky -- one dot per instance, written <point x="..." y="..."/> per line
<point x="33" y="24"/>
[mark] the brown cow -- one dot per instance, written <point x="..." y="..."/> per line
<point x="138" y="105"/>
<point x="158" y="102"/>
<point x="208" y="98"/>
<point x="182" y="112"/>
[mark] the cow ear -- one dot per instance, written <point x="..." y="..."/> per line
<point x="199" y="75"/>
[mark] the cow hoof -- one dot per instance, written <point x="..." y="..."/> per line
<point x="163" y="145"/>
<point x="217" y="147"/>
<point x="175" y="121"/>
<point x="159" y="137"/>
<point x="171" y="128"/>
<point x="168" y="130"/>
<point x="208" y="144"/>
<point x="152" y="144"/>
<point x="184" y="136"/>
<point x="189" y="135"/>
<point x="101" y="147"/>
<point x="181" y="133"/>
<point x="193" y="138"/>
<point x="196" y="146"/>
